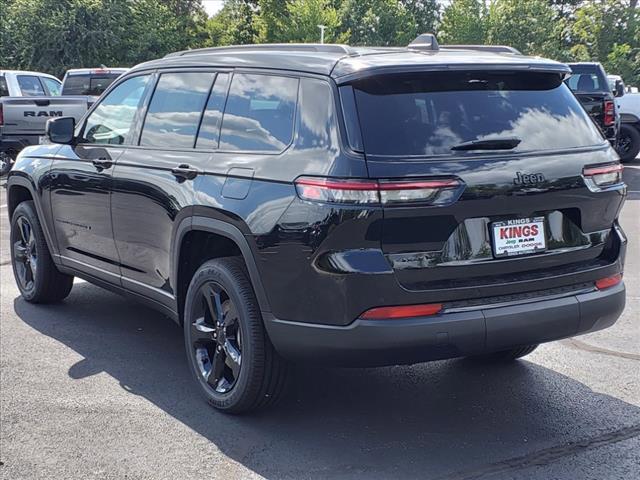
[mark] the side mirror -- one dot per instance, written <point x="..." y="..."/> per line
<point x="60" y="129"/>
<point x="619" y="90"/>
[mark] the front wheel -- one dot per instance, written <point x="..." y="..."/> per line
<point x="628" y="143"/>
<point x="230" y="354"/>
<point x="38" y="279"/>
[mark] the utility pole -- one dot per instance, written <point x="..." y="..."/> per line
<point x="322" y="27"/>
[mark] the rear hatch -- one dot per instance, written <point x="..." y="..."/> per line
<point x="510" y="156"/>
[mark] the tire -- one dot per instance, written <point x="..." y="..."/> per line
<point x="506" y="355"/>
<point x="213" y="340"/>
<point x="6" y="163"/>
<point x="628" y="143"/>
<point x="38" y="279"/>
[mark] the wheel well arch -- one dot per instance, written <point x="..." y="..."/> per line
<point x="15" y="196"/>
<point x="199" y="239"/>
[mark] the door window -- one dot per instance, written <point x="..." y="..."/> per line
<point x="112" y="120"/>
<point x="176" y="107"/>
<point x="52" y="85"/>
<point x="209" y="133"/>
<point x="30" y="86"/>
<point x="259" y="113"/>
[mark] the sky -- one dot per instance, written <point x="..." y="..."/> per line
<point x="212" y="6"/>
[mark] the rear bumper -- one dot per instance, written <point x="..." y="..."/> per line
<point x="15" y="143"/>
<point x="448" y="335"/>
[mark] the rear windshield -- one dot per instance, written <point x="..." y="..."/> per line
<point x="88" y="84"/>
<point x="587" y="79"/>
<point x="421" y="114"/>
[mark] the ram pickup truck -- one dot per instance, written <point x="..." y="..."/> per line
<point x="89" y="81"/>
<point x="27" y="101"/>
<point x="588" y="82"/>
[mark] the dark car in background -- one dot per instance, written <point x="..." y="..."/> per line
<point x="89" y="81"/>
<point x="589" y="83"/>
<point x="334" y="204"/>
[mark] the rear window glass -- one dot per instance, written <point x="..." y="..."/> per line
<point x="4" y="90"/>
<point x="30" y="86"/>
<point x="87" y="84"/>
<point x="259" y="113"/>
<point x="429" y="113"/>
<point x="586" y="79"/>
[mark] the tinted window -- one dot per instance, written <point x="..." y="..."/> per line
<point x="88" y="84"/>
<point x="259" y="113"/>
<point x="587" y="78"/>
<point x="52" y="85"/>
<point x="429" y="113"/>
<point x="30" y="86"/>
<point x="175" y="110"/>
<point x="4" y="90"/>
<point x="112" y="119"/>
<point x="210" y="127"/>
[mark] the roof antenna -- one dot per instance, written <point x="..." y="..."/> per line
<point x="425" y="41"/>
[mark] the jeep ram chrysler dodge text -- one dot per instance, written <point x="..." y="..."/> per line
<point x="358" y="206"/>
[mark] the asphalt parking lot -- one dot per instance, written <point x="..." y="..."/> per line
<point x="98" y="388"/>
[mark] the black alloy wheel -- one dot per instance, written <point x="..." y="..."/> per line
<point x="229" y="351"/>
<point x="25" y="254"/>
<point x="37" y="276"/>
<point x="216" y="337"/>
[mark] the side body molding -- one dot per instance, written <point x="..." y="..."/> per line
<point x="225" y="229"/>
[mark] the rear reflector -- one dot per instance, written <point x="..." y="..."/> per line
<point x="609" y="113"/>
<point x="405" y="311"/>
<point x="604" y="175"/>
<point x="609" y="282"/>
<point x="386" y="192"/>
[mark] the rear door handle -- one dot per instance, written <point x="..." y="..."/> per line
<point x="102" y="163"/>
<point x="185" y="172"/>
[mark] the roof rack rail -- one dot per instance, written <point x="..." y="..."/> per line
<point x="425" y="41"/>
<point x="290" y="47"/>
<point x="484" y="48"/>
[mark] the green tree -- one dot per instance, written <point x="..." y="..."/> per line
<point x="234" y="24"/>
<point x="532" y="26"/>
<point x="464" y="22"/>
<point x="378" y="22"/>
<point x="303" y="18"/>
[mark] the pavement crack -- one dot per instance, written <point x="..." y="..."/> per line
<point x="580" y="345"/>
<point x="547" y="456"/>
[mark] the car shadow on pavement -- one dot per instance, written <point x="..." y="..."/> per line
<point x="448" y="419"/>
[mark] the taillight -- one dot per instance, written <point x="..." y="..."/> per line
<point x="600" y="176"/>
<point x="436" y="191"/>
<point x="609" y="113"/>
<point x="609" y="282"/>
<point x="403" y="311"/>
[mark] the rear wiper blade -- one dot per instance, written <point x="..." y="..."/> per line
<point x="489" y="144"/>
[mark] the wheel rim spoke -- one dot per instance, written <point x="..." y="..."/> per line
<point x="217" y="370"/>
<point x="233" y="357"/>
<point x="19" y="251"/>
<point x="202" y="332"/>
<point x="24" y="229"/>
<point x="214" y="303"/>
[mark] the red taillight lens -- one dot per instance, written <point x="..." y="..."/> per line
<point x="609" y="282"/>
<point x="609" y="113"/>
<point x="385" y="192"/>
<point x="404" y="311"/>
<point x="604" y="175"/>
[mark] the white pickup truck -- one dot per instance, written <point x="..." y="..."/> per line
<point x="27" y="101"/>
<point x="629" y="108"/>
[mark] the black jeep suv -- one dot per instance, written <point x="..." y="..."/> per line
<point x="354" y="206"/>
